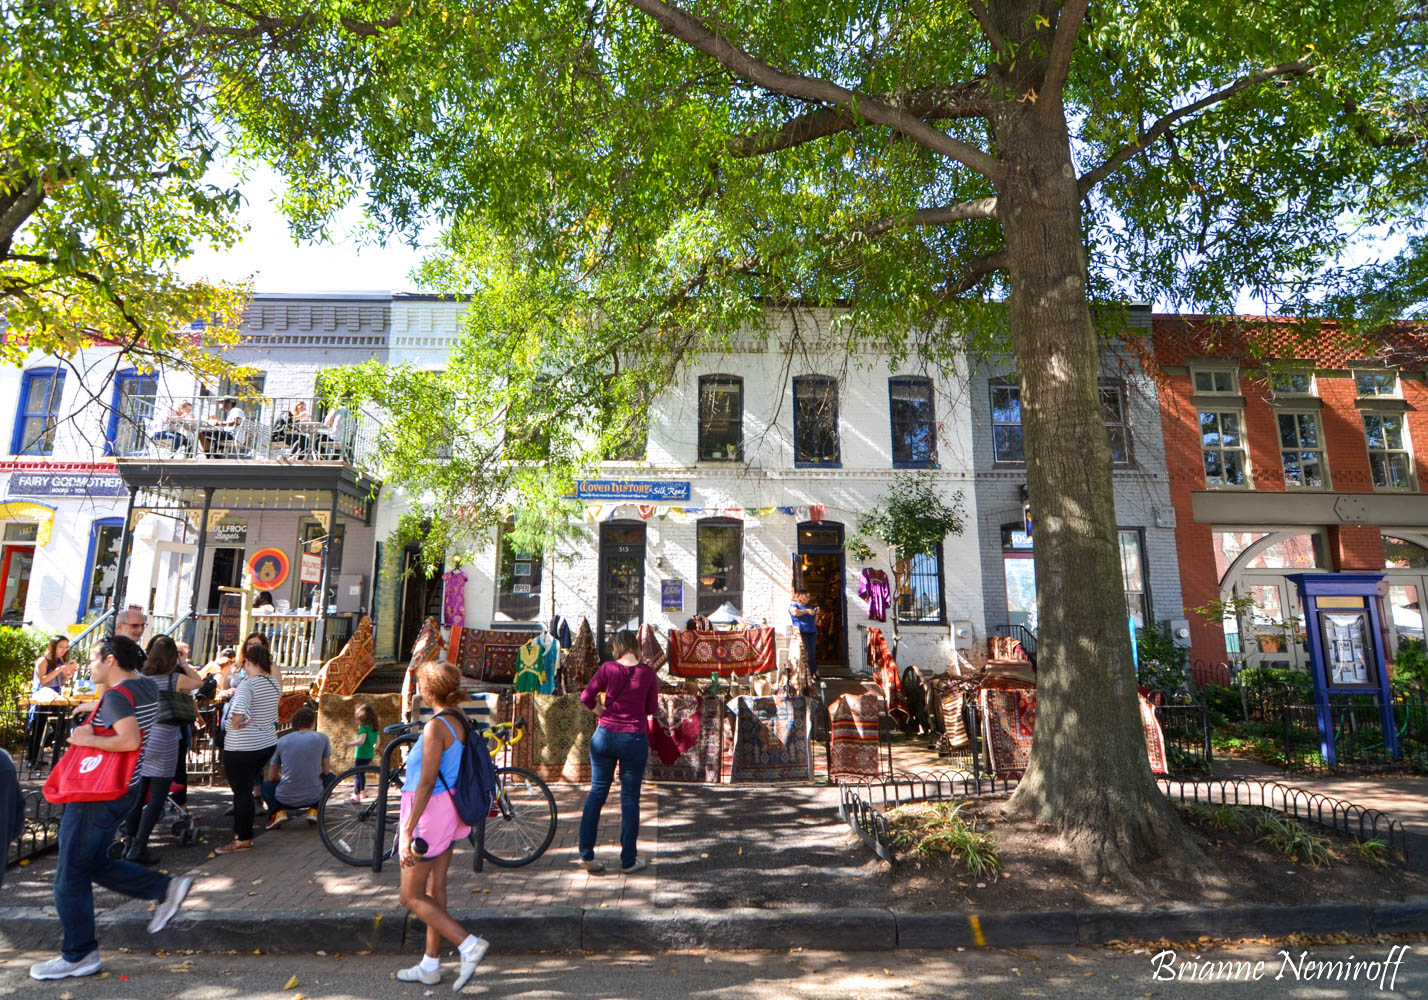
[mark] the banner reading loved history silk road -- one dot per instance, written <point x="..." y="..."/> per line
<point x="633" y="491"/>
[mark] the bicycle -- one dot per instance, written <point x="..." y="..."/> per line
<point x="518" y="830"/>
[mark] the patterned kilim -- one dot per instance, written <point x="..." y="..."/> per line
<point x="581" y="659"/>
<point x="336" y="716"/>
<point x="1154" y="738"/>
<point x="954" y="721"/>
<point x="705" y="716"/>
<point x="854" y="735"/>
<point x="346" y="671"/>
<point x="490" y="656"/>
<point x="428" y="645"/>
<point x="651" y="651"/>
<point x="288" y="706"/>
<point x="771" y="740"/>
<point x="885" y="674"/>
<point x="703" y="654"/>
<point x="1008" y="717"/>
<point x="556" y="745"/>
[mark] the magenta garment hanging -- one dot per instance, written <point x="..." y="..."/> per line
<point x="873" y="588"/>
<point x="453" y="605"/>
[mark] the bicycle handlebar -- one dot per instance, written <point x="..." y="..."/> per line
<point x="404" y="728"/>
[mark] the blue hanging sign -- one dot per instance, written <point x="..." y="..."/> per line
<point x="66" y="484"/>
<point x="671" y="596"/>
<point x="632" y="491"/>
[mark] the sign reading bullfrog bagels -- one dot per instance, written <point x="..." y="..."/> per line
<point x="269" y="568"/>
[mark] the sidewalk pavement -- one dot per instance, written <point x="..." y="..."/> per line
<point x="745" y="865"/>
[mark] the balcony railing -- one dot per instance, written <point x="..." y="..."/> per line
<point x="290" y="639"/>
<point x="274" y="429"/>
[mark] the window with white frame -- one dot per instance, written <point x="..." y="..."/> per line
<point x="1376" y="382"/>
<point x="1113" y="412"/>
<point x="1301" y="450"/>
<point x="1389" y="457"/>
<point x="1222" y="445"/>
<point x="1291" y="383"/>
<point x="1006" y="422"/>
<point x="1216" y="381"/>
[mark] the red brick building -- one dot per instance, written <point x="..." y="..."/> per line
<point x="1291" y="450"/>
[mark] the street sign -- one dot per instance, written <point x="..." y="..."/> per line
<point x="310" y="568"/>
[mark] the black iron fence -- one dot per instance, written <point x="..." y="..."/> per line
<point x="1356" y="734"/>
<point x="40" y="831"/>
<point x="864" y="804"/>
<point x="1187" y="737"/>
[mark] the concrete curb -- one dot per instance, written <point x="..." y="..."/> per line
<point x="571" y="929"/>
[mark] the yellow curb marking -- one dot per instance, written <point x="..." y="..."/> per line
<point x="975" y="923"/>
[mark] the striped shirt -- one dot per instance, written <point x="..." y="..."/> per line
<point x="255" y="698"/>
<point x="145" y="711"/>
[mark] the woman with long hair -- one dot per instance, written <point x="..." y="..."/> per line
<point x="430" y="825"/>
<point x="631" y="692"/>
<point x="250" y="731"/>
<point x="259" y="639"/>
<point x="161" y="752"/>
<point x="51" y="671"/>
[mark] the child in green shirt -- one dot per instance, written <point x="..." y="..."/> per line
<point x="366" y="744"/>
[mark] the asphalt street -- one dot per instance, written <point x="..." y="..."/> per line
<point x="989" y="973"/>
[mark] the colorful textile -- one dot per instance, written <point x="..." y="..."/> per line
<point x="560" y="628"/>
<point x="288" y="706"/>
<point x="1154" y="738"/>
<point x="703" y="654"/>
<point x="493" y="657"/>
<point x="556" y="745"/>
<point x="650" y="649"/>
<point x="528" y="667"/>
<point x="770" y="740"/>
<point x="853" y="736"/>
<point x="582" y="658"/>
<point x="346" y="671"/>
<point x="428" y="646"/>
<point x="549" y="661"/>
<point x="703" y="718"/>
<point x="885" y="675"/>
<point x="873" y="588"/>
<point x="336" y="718"/>
<point x="1008" y="720"/>
<point x="453" y="604"/>
<point x="954" y="719"/>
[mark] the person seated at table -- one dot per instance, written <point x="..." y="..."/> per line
<point x="171" y="434"/>
<point x="263" y="603"/>
<point x="51" y="671"/>
<point x="330" y="440"/>
<point x="220" y="665"/>
<point x="288" y="429"/>
<point x="223" y="435"/>
<point x="298" y="772"/>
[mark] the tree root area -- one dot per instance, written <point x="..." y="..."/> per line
<point x="1041" y="871"/>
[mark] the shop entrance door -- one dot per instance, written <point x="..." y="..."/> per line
<point x="227" y="572"/>
<point x="15" y="570"/>
<point x="819" y="568"/>
<point x="1272" y="632"/>
<point x="622" y="579"/>
<point x="421" y="599"/>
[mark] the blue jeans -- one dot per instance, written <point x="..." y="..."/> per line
<point x="270" y="796"/>
<point x="810" y="651"/>
<point x="632" y="751"/>
<point x="85" y="833"/>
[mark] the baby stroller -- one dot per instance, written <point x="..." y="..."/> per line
<point x="179" y="821"/>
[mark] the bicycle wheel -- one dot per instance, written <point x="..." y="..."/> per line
<point x="522" y="821"/>
<point x="348" y="824"/>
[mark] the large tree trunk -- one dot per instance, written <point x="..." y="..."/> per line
<point x="1089" y="776"/>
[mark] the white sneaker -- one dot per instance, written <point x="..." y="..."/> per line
<point x="468" y="964"/>
<point x="61" y="967"/>
<point x="640" y="865"/>
<point x="178" y="890"/>
<point x="417" y="975"/>
<point x="592" y="866"/>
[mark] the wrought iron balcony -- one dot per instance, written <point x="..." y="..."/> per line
<point x="286" y="429"/>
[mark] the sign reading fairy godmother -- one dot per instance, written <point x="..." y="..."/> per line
<point x="65" y="484"/>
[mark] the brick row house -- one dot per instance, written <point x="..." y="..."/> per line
<point x="1290" y="450"/>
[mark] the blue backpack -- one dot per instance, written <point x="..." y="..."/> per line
<point x="475" y="789"/>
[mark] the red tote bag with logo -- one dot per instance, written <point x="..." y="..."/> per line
<point x="87" y="774"/>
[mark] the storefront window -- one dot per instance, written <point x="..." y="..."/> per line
<point x="721" y="565"/>
<point x="1295" y="552"/>
<point x="721" y="418"/>
<point x="518" y="580"/>
<point x="919" y="598"/>
<point x="104" y="566"/>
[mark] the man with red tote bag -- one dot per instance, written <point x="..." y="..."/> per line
<point x="127" y="711"/>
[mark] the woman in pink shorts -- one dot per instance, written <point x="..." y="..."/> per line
<point x="430" y="825"/>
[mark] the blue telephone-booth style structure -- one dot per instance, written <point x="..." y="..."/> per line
<point x="1343" y="621"/>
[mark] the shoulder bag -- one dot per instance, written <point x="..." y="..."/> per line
<point x="88" y="774"/>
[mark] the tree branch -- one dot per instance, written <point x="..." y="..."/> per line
<point x="978" y="270"/>
<point x="989" y="27"/>
<point x="1093" y="177"/>
<point x="967" y="100"/>
<point x="940" y="215"/>
<point x="692" y="31"/>
<point x="1068" y="26"/>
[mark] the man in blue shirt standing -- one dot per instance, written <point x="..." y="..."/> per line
<point x="805" y="619"/>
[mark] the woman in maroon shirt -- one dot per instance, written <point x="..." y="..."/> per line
<point x="631" y="690"/>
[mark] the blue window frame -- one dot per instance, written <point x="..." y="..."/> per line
<point x="41" y="390"/>
<point x="106" y="535"/>
<point x="127" y="432"/>
<point x="914" y="425"/>
<point x="815" y="422"/>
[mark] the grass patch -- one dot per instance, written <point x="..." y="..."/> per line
<point x="1282" y="834"/>
<point x="929" y="828"/>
